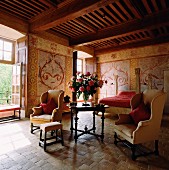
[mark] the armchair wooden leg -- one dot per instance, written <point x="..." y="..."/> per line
<point x="62" y="137"/>
<point x="45" y="141"/>
<point x="40" y="138"/>
<point x="32" y="128"/>
<point x="115" y="138"/>
<point x="56" y="131"/>
<point x="156" y="148"/>
<point x="133" y="149"/>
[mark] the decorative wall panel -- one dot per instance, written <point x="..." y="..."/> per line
<point x="51" y="73"/>
<point x="154" y="66"/>
<point x="108" y="71"/>
<point x="44" y="57"/>
<point x="152" y="60"/>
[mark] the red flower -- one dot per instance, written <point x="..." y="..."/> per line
<point x="91" y="83"/>
<point x="88" y="88"/>
<point x="100" y="83"/>
<point x="79" y="80"/>
<point x="85" y="84"/>
<point x="82" y="89"/>
<point x="88" y="74"/>
<point x="73" y="89"/>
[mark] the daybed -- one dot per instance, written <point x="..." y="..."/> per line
<point x="120" y="104"/>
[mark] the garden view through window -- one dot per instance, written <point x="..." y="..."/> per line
<point x="5" y="84"/>
<point x="6" y="56"/>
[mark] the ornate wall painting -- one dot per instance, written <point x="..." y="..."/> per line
<point x="51" y="73"/>
<point x="108" y="71"/>
<point x="154" y="66"/>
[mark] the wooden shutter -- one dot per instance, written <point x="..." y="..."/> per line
<point x="16" y="84"/>
<point x="22" y="57"/>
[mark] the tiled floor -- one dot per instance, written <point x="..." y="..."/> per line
<point x="19" y="149"/>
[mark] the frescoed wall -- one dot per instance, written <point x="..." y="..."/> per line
<point x="154" y="66"/>
<point x="49" y="68"/>
<point x="150" y="59"/>
<point x="51" y="73"/>
<point x="108" y="71"/>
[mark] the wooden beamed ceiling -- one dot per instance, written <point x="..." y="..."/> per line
<point x="103" y="25"/>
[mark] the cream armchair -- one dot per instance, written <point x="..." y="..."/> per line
<point x="50" y="109"/>
<point x="144" y="131"/>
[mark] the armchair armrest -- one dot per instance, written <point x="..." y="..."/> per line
<point x="143" y="123"/>
<point x="56" y="115"/>
<point x="37" y="111"/>
<point x="124" y="119"/>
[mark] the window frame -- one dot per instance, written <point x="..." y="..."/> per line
<point x="79" y="65"/>
<point x="13" y="52"/>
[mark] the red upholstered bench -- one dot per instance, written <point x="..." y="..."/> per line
<point x="10" y="108"/>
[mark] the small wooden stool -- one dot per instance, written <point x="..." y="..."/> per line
<point x="52" y="126"/>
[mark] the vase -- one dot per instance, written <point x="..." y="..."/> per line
<point x="85" y="98"/>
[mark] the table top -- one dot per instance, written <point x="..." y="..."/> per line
<point x="91" y="106"/>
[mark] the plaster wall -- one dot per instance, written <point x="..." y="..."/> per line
<point x="43" y="49"/>
<point x="150" y="59"/>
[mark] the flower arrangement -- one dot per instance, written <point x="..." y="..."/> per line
<point x="85" y="84"/>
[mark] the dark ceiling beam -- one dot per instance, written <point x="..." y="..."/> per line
<point x="157" y="40"/>
<point x="52" y="8"/>
<point x="64" y="3"/>
<point x="122" y="29"/>
<point x="69" y="12"/>
<point x="14" y="22"/>
<point x="48" y="3"/>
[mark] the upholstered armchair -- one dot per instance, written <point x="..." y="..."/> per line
<point x="143" y="123"/>
<point x="49" y="110"/>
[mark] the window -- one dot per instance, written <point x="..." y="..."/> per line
<point x="5" y="84"/>
<point x="80" y="65"/>
<point x="6" y="50"/>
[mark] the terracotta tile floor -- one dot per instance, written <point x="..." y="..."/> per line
<point x="19" y="149"/>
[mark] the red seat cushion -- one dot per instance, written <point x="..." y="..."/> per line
<point x="49" y="106"/>
<point x="140" y="113"/>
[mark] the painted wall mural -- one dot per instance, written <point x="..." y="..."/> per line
<point x="154" y="66"/>
<point x="45" y="58"/>
<point x="51" y="72"/>
<point x="153" y="59"/>
<point x="108" y="71"/>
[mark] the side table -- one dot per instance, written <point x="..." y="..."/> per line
<point x="75" y="109"/>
